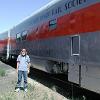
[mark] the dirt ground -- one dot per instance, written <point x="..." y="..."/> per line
<point x="36" y="91"/>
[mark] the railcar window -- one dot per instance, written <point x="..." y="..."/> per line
<point x="53" y="24"/>
<point x="75" y="45"/>
<point x="24" y="35"/>
<point x="18" y="36"/>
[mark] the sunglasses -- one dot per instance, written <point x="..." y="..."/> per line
<point x="23" y="51"/>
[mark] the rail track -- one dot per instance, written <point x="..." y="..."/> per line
<point x="60" y="84"/>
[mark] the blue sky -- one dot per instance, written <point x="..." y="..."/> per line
<point x="13" y="11"/>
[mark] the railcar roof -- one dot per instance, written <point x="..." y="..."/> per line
<point x="40" y="10"/>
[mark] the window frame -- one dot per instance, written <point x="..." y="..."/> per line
<point x="72" y="53"/>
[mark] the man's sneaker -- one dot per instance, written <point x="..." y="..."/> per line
<point x="17" y="90"/>
<point x="25" y="89"/>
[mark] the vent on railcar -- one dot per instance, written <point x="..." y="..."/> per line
<point x="53" y="24"/>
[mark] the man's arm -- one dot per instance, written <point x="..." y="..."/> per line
<point x="17" y="66"/>
<point x="29" y="64"/>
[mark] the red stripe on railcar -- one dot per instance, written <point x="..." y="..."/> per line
<point x="81" y="21"/>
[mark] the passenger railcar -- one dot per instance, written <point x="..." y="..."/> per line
<point x="63" y="37"/>
<point x="3" y="45"/>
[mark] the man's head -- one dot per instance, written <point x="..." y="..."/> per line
<point x="23" y="52"/>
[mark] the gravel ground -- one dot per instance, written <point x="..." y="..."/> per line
<point x="36" y="91"/>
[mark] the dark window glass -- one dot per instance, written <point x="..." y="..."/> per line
<point x="18" y="36"/>
<point x="24" y="35"/>
<point x="75" y="45"/>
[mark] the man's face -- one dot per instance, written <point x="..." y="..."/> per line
<point x="23" y="52"/>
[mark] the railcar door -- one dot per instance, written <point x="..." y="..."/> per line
<point x="74" y="74"/>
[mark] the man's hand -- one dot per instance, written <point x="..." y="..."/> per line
<point x="29" y="67"/>
<point x="28" y="71"/>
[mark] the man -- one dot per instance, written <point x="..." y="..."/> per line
<point x="23" y="68"/>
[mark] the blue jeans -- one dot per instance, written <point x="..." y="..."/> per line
<point x="20" y="74"/>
